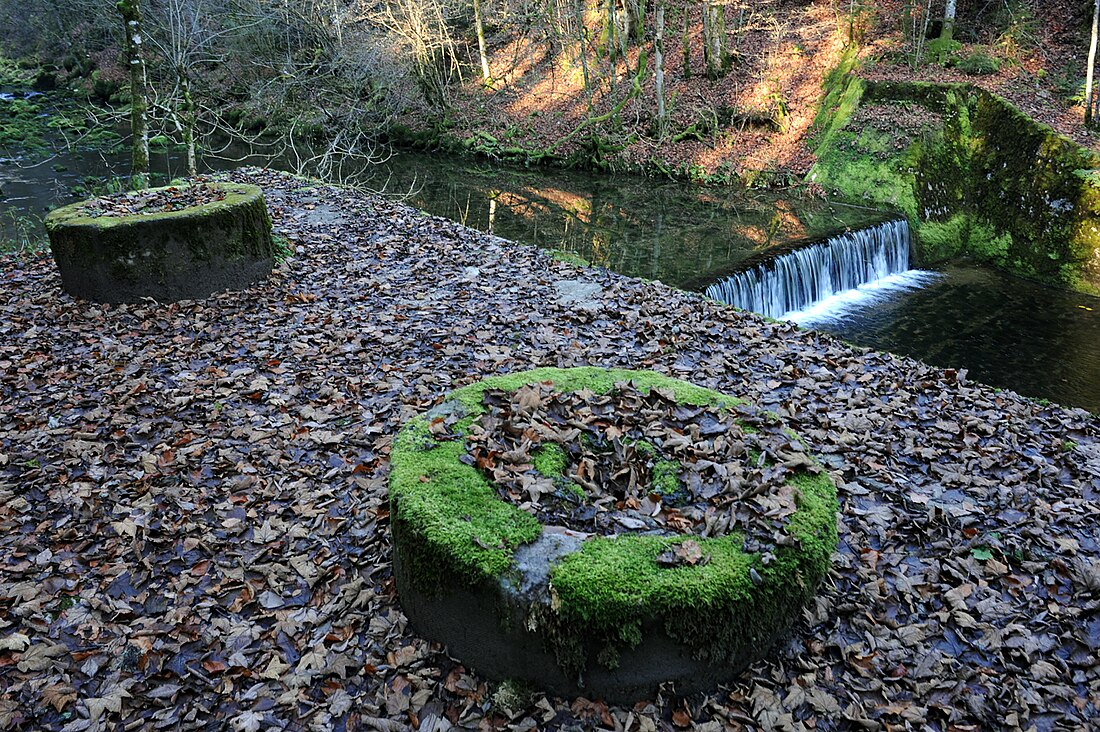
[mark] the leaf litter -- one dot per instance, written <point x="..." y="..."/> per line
<point x="193" y="516"/>
<point x="153" y="201"/>
<point x="635" y="462"/>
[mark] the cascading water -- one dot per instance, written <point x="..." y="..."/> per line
<point x="791" y="284"/>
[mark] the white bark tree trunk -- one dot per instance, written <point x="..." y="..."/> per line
<point x="130" y="10"/>
<point x="486" y="76"/>
<point x="948" y="20"/>
<point x="659" y="70"/>
<point x="1089" y="71"/>
<point x="714" y="38"/>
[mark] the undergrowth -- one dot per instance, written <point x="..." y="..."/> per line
<point x="21" y="233"/>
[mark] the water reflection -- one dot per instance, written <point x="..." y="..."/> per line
<point x="1007" y="332"/>
<point x="659" y="230"/>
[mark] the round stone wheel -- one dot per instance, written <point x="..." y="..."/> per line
<point x="169" y="255"/>
<point x="594" y="616"/>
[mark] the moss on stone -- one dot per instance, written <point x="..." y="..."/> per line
<point x="167" y="255"/>
<point x="964" y="234"/>
<point x="666" y="477"/>
<point x="452" y="531"/>
<point x="459" y="523"/>
<point x="452" y="520"/>
<point x="597" y="380"/>
<point x="550" y="460"/>
<point x="613" y="587"/>
<point x="855" y="166"/>
<point x="77" y="214"/>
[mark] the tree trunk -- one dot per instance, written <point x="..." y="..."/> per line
<point x="685" y="41"/>
<point x="1089" y="71"/>
<point x="714" y="37"/>
<point x="190" y="122"/>
<point x="635" y="10"/>
<point x="582" y="42"/>
<point x="659" y="70"/>
<point x="948" y="29"/>
<point x="130" y="11"/>
<point x="611" y="44"/>
<point x="486" y="76"/>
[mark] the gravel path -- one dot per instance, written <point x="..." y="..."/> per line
<point x="193" y="521"/>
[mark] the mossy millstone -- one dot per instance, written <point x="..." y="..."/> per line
<point x="595" y="615"/>
<point x="168" y="256"/>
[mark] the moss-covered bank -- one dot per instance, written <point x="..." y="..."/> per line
<point x="977" y="178"/>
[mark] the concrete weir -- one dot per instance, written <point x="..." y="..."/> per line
<point x="796" y="280"/>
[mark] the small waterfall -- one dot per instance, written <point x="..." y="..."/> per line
<point x="796" y="280"/>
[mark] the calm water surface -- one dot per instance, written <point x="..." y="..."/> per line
<point x="1008" y="332"/>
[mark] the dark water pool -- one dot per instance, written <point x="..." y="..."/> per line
<point x="1008" y="332"/>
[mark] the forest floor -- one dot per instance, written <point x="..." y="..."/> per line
<point x="759" y="116"/>
<point x="193" y="512"/>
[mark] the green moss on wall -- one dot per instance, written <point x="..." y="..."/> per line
<point x="989" y="183"/>
<point x="855" y="166"/>
<point x="964" y="234"/>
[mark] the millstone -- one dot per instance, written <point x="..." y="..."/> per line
<point x="583" y="613"/>
<point x="169" y="255"/>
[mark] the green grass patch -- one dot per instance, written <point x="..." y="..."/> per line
<point x="22" y="233"/>
<point x="562" y="255"/>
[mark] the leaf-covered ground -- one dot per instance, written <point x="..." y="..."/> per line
<point x="635" y="462"/>
<point x="193" y="522"/>
<point x="151" y="201"/>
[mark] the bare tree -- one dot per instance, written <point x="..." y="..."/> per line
<point x="715" y="55"/>
<point x="918" y="14"/>
<point x="185" y="38"/>
<point x="486" y="75"/>
<point x="424" y="27"/>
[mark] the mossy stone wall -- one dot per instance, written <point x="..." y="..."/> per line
<point x="989" y="182"/>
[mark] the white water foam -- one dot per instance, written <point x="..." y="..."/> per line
<point x="869" y="293"/>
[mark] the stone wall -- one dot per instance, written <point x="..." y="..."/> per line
<point x="986" y="182"/>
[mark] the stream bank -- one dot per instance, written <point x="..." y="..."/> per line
<point x="687" y="236"/>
